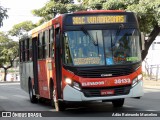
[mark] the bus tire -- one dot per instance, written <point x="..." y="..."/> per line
<point x="32" y="97"/>
<point x="51" y="95"/>
<point x="118" y="102"/>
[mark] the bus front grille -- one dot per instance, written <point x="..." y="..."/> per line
<point x="97" y="73"/>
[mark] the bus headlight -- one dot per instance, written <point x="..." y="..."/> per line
<point x="68" y="81"/>
<point x="73" y="84"/>
<point x="136" y="80"/>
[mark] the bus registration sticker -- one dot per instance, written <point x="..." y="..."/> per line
<point x="107" y="92"/>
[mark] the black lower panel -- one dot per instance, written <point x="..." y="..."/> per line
<point x="96" y="92"/>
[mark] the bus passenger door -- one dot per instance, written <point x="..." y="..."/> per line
<point x="35" y="64"/>
<point x="58" y="65"/>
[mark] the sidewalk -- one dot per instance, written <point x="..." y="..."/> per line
<point x="151" y="83"/>
<point x="9" y="82"/>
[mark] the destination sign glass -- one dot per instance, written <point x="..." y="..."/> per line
<point x="101" y="19"/>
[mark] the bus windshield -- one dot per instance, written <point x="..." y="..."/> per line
<point x="101" y="47"/>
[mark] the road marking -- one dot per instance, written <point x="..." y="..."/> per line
<point x="150" y="110"/>
<point x="20" y="96"/>
<point x="128" y="106"/>
<point x="9" y="84"/>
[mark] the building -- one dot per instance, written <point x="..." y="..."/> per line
<point x="151" y="64"/>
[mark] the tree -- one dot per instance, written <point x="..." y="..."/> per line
<point x="21" y="28"/>
<point x="3" y="15"/>
<point x="8" y="52"/>
<point x="94" y="5"/>
<point x="54" y="7"/>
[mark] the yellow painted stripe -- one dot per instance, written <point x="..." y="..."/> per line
<point x="41" y="27"/>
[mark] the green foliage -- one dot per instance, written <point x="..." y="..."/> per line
<point x="54" y="7"/>
<point x="47" y="12"/>
<point x="148" y="12"/>
<point x="8" y="50"/>
<point x="21" y="28"/>
<point x="96" y="4"/>
<point x="3" y="15"/>
<point x="73" y="8"/>
<point x="115" y="5"/>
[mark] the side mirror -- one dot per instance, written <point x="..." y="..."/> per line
<point x="142" y="41"/>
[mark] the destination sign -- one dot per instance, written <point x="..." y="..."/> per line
<point x="87" y="61"/>
<point x="101" y="19"/>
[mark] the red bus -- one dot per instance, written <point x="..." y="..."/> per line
<point x="83" y="56"/>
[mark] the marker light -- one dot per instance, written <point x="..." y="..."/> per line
<point x="76" y="86"/>
<point x="136" y="80"/>
<point x="139" y="76"/>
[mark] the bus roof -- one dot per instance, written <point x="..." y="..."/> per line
<point x="98" y="11"/>
<point x="41" y="27"/>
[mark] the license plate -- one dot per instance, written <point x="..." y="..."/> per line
<point x="107" y="92"/>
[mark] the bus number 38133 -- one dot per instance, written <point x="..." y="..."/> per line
<point x="121" y="81"/>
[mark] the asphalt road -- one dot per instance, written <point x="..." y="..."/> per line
<point x="12" y="98"/>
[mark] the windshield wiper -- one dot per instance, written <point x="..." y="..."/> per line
<point x="87" y="34"/>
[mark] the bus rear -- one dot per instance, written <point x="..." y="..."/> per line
<point x="101" y="57"/>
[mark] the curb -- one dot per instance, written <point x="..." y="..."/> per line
<point x="151" y="84"/>
<point x="9" y="82"/>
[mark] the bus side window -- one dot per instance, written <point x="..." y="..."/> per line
<point x="27" y="49"/>
<point x="43" y="46"/>
<point x="20" y="51"/>
<point x="51" y="43"/>
<point x="46" y="43"/>
<point x="23" y="50"/>
<point x="40" y="50"/>
<point x="30" y="49"/>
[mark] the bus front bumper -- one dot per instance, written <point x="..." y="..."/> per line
<point x="71" y="94"/>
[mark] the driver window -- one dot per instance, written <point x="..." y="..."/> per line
<point x="67" y="55"/>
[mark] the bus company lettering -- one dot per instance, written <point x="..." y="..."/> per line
<point x="98" y="83"/>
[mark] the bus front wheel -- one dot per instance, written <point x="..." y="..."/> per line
<point x="118" y="102"/>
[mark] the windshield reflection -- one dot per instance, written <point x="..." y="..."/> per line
<point x="111" y="47"/>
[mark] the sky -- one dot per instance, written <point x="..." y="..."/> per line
<point x="19" y="11"/>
